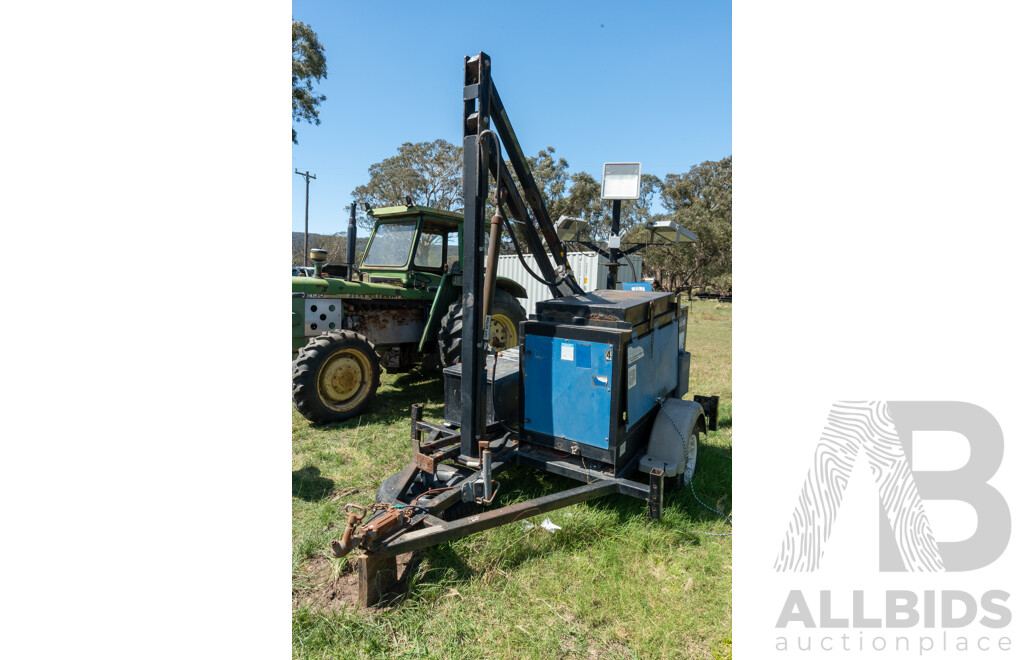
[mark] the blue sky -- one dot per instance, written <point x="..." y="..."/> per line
<point x="599" y="81"/>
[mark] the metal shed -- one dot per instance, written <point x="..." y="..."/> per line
<point x="586" y="266"/>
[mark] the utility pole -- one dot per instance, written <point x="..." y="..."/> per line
<point x="305" y="235"/>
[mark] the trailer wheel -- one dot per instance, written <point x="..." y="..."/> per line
<point x="335" y="376"/>
<point x="507" y="313"/>
<point x="684" y="478"/>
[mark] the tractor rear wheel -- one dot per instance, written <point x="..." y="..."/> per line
<point x="507" y="313"/>
<point x="335" y="376"/>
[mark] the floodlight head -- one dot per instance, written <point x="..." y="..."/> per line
<point x="620" y="181"/>
<point x="567" y="227"/>
<point x="669" y="231"/>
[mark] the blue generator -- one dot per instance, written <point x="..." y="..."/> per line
<point x="594" y="367"/>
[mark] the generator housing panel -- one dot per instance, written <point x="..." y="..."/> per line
<point x="593" y="367"/>
<point x="578" y="375"/>
<point x="651" y="372"/>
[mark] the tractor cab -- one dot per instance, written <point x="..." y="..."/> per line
<point x="411" y="246"/>
<point x="401" y="308"/>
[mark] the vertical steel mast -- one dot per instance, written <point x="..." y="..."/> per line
<point x="481" y="105"/>
<point x="475" y="118"/>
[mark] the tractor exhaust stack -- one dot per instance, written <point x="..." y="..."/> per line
<point x="350" y="244"/>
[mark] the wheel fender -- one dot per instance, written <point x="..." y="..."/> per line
<point x="665" y="447"/>
<point x="513" y="287"/>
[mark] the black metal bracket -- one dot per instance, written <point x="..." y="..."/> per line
<point x="654" y="499"/>
<point x="710" y="406"/>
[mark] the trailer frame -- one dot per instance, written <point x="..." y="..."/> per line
<point x="424" y="528"/>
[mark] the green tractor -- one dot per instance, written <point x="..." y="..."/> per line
<point x="400" y="309"/>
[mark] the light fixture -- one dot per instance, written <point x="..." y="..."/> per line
<point x="567" y="227"/>
<point x="620" y="181"/>
<point x="669" y="231"/>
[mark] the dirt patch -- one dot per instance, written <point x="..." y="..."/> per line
<point x="317" y="587"/>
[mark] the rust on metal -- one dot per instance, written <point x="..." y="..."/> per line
<point x="379" y="527"/>
<point x="429" y="462"/>
<point x="426" y="463"/>
<point x="443" y="441"/>
<point x="427" y="455"/>
<point x="356" y="514"/>
<point x="392" y="519"/>
<point x="494" y="493"/>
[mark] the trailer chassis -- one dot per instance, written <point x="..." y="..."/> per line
<point x="408" y="516"/>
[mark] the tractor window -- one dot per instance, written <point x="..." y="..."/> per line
<point x="390" y="244"/>
<point x="453" y="248"/>
<point x="429" y="251"/>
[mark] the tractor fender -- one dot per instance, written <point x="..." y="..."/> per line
<point x="666" y="445"/>
<point x="513" y="287"/>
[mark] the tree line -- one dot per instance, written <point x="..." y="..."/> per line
<point x="430" y="173"/>
<point x="700" y="199"/>
<point x="335" y="244"/>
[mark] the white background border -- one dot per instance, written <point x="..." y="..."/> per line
<point x="145" y="468"/>
<point x="144" y="476"/>
<point x="876" y="250"/>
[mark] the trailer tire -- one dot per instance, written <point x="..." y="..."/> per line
<point x="460" y="510"/>
<point x="454" y="512"/>
<point x="335" y="376"/>
<point x="683" y="479"/>
<point x="673" y="442"/>
<point x="505" y="319"/>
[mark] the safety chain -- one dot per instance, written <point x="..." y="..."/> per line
<point x="661" y="402"/>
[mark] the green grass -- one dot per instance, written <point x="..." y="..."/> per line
<point x="609" y="584"/>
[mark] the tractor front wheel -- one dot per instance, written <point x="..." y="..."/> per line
<point x="335" y="376"/>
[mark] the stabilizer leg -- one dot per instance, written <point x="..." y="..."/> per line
<point x="655" y="498"/>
